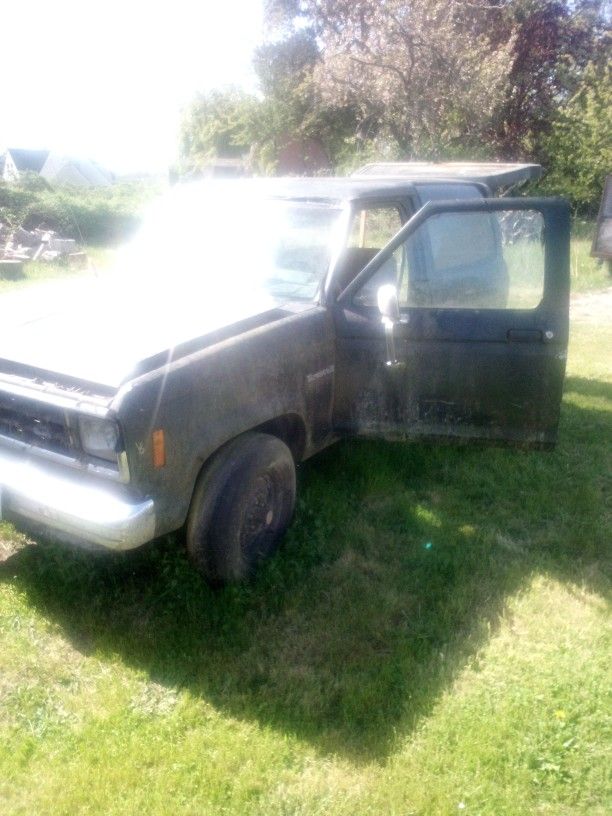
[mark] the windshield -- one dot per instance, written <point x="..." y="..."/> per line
<point x="225" y="240"/>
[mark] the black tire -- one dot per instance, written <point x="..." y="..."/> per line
<point x="241" y="507"/>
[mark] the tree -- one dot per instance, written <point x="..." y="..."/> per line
<point x="219" y="124"/>
<point x="433" y="78"/>
<point x="554" y="41"/>
<point x="425" y="79"/>
<point x="580" y="142"/>
<point x="421" y="73"/>
<point x="293" y="109"/>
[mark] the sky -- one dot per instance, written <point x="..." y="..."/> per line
<point x="108" y="80"/>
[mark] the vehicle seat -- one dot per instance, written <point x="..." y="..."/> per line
<point x="349" y="265"/>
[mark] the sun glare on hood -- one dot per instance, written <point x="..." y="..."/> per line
<point x="222" y="239"/>
<point x="206" y="257"/>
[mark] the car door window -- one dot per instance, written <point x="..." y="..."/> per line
<point x="373" y="227"/>
<point x="466" y="260"/>
<point x="370" y="230"/>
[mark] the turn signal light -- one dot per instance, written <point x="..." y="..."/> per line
<point x="159" y="448"/>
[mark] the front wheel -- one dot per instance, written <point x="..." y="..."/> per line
<point x="242" y="505"/>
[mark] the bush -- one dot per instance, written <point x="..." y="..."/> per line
<point x="99" y="215"/>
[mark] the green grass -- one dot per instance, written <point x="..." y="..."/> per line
<point x="40" y="271"/>
<point x="102" y="216"/>
<point x="434" y="638"/>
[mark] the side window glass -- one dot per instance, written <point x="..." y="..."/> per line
<point x="522" y="235"/>
<point x="371" y="229"/>
<point x="374" y="227"/>
<point x="393" y="270"/>
<point x="468" y="260"/>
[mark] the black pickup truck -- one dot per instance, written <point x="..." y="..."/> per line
<point x="254" y="322"/>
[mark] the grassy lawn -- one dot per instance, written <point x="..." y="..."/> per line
<point x="39" y="271"/>
<point x="434" y="638"/>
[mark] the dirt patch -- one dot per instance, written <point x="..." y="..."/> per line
<point x="10" y="542"/>
<point x="593" y="307"/>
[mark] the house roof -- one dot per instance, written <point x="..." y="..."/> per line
<point x="28" y="159"/>
<point x="72" y="171"/>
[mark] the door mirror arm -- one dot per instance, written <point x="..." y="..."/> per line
<point x="388" y="306"/>
<point x="388" y="303"/>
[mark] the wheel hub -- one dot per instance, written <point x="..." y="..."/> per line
<point x="259" y="513"/>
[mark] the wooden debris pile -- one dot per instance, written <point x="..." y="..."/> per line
<point x="40" y="244"/>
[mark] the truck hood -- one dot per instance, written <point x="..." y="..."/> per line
<point x="95" y="331"/>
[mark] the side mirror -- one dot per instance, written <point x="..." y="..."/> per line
<point x="388" y="303"/>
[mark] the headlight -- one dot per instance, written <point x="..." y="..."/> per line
<point x="100" y="437"/>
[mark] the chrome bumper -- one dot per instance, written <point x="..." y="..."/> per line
<point x="82" y="508"/>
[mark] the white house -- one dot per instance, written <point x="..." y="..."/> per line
<point x="8" y="171"/>
<point x="54" y="167"/>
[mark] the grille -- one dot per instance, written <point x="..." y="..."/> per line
<point x="35" y="424"/>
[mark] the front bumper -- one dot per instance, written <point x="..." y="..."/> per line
<point x="73" y="505"/>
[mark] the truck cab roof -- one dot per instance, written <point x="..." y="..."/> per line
<point x="335" y="190"/>
<point x="494" y="174"/>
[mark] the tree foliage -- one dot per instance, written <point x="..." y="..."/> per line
<point x="580" y="141"/>
<point x="421" y="79"/>
<point x="554" y="41"/>
<point x="423" y="73"/>
<point x="92" y="215"/>
<point x="293" y="108"/>
<point x="289" y="109"/>
<point x="217" y="124"/>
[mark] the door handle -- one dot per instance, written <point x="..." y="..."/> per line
<point x="524" y="336"/>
